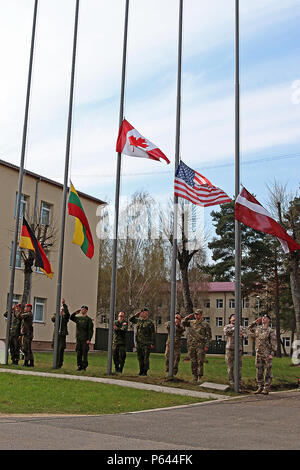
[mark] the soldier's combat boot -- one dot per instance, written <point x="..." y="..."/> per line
<point x="195" y="378"/>
<point x="141" y="372"/>
<point x="265" y="391"/>
<point x="26" y="363"/>
<point x="259" y="390"/>
<point x="31" y="363"/>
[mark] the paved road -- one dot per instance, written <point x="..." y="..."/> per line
<point x="254" y="422"/>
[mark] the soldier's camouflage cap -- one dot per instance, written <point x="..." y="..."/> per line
<point x="266" y="315"/>
<point x="199" y="311"/>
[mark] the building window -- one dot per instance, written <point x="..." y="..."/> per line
<point x="38" y="309"/>
<point x="219" y="321"/>
<point x="16" y="299"/>
<point x="158" y="320"/>
<point x="18" y="256"/>
<point x="245" y="322"/>
<point x="218" y="338"/>
<point x="219" y="303"/>
<point x="207" y="319"/>
<point x="287" y="342"/>
<point x="245" y="303"/>
<point x="45" y="213"/>
<point x="245" y="341"/>
<point x="103" y="318"/>
<point x="22" y="205"/>
<point x="207" y="303"/>
<point x="231" y="303"/>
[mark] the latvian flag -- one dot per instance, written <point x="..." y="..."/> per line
<point x="131" y="142"/>
<point x="29" y="241"/>
<point x="249" y="211"/>
<point x="194" y="187"/>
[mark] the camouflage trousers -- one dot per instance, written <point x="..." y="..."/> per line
<point x="177" y="352"/>
<point x="263" y="371"/>
<point x="143" y="354"/>
<point x="119" y="356"/>
<point x="229" y="358"/>
<point x="14" y="348"/>
<point x="197" y="356"/>
<point x="26" y="347"/>
<point x="82" y="350"/>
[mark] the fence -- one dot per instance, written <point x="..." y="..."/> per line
<point x="101" y="342"/>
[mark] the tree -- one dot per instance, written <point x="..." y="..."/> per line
<point x="287" y="207"/>
<point x="257" y="252"/>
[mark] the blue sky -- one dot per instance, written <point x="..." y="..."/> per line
<point x="270" y="117"/>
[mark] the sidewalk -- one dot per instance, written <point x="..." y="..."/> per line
<point x="124" y="383"/>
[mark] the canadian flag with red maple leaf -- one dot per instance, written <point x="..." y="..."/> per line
<point x="131" y="142"/>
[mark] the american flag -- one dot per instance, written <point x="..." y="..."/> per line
<point x="197" y="189"/>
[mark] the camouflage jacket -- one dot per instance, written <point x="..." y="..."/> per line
<point x="27" y="324"/>
<point x="84" y="327"/>
<point x="265" y="339"/>
<point x="199" y="332"/>
<point x="15" y="324"/>
<point x="179" y="329"/>
<point x="63" y="321"/>
<point x="119" y="335"/>
<point x="145" y="331"/>
<point x="229" y="336"/>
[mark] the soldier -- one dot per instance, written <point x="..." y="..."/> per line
<point x="229" y="356"/>
<point x="64" y="317"/>
<point x="198" y="342"/>
<point x="179" y="329"/>
<point x="84" y="333"/>
<point x="119" y="342"/>
<point x="27" y="335"/>
<point x="145" y="336"/>
<point x="14" y="333"/>
<point x="265" y="340"/>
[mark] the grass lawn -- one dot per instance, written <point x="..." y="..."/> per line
<point x="285" y="375"/>
<point x="31" y="395"/>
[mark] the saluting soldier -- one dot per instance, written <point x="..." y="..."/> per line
<point x="145" y="337"/>
<point x="179" y="329"/>
<point x="27" y="335"/>
<point x="265" y="341"/>
<point x="14" y="332"/>
<point x="84" y="333"/>
<point x="230" y="345"/>
<point x="64" y="317"/>
<point x="198" y="342"/>
<point x="119" y="342"/>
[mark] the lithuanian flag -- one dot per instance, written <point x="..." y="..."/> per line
<point x="29" y="241"/>
<point x="82" y="233"/>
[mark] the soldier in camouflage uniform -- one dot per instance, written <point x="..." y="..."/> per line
<point x="27" y="335"/>
<point x="145" y="337"/>
<point x="198" y="342"/>
<point x="179" y="329"/>
<point x="14" y="333"/>
<point x="229" y="356"/>
<point x="64" y="317"/>
<point x="265" y="340"/>
<point x="84" y="333"/>
<point x="119" y="342"/>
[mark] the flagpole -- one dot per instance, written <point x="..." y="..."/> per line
<point x="117" y="200"/>
<point x="237" y="190"/>
<point x="65" y="190"/>
<point x="177" y="158"/>
<point x="21" y="172"/>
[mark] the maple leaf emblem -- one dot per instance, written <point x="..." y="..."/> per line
<point x="140" y="142"/>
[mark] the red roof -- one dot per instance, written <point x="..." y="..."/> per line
<point x="213" y="287"/>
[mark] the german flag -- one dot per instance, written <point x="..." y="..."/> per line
<point x="29" y="241"/>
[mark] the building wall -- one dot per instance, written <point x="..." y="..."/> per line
<point x="80" y="274"/>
